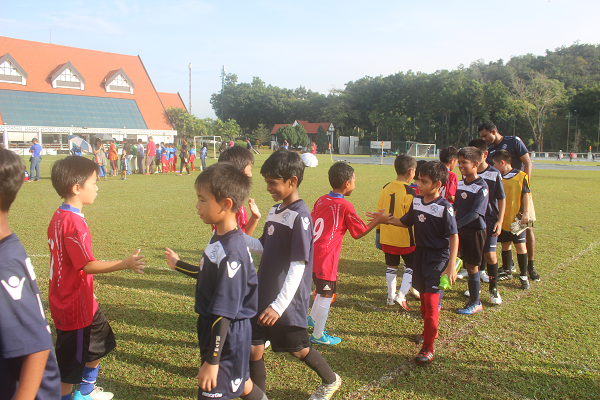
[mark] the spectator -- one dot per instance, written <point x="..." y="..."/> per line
<point x="35" y="159"/>
<point x="140" y="157"/>
<point x="100" y="157"/>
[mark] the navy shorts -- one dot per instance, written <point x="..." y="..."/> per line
<point x="490" y="240"/>
<point x="393" y="260"/>
<point x="506" y="236"/>
<point x="283" y="338"/>
<point x="428" y="267"/>
<point x="470" y="245"/>
<point x="234" y="366"/>
<point x="324" y="287"/>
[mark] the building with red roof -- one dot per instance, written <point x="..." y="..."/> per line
<point x="50" y="91"/>
<point x="311" y="128"/>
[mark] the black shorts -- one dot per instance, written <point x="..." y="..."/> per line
<point x="324" y="287"/>
<point x="506" y="236"/>
<point x="491" y="241"/>
<point x="428" y="267"/>
<point x="393" y="260"/>
<point x="283" y="338"/>
<point x="77" y="347"/>
<point x="470" y="244"/>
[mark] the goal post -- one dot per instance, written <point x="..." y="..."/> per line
<point x="214" y="141"/>
<point x="422" y="150"/>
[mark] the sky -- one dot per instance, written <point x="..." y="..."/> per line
<point x="320" y="45"/>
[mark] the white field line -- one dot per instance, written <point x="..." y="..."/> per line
<point x="363" y="392"/>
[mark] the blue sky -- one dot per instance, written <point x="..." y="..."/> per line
<point x="318" y="44"/>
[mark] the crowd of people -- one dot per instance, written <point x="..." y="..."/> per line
<point x="426" y="217"/>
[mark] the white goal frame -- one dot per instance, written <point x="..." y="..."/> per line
<point x="209" y="140"/>
<point x="420" y="150"/>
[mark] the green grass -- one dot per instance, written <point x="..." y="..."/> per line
<point x="538" y="344"/>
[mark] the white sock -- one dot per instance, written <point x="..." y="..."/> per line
<point x="390" y="276"/>
<point x="312" y="310"/>
<point x="406" y="282"/>
<point x="321" y="312"/>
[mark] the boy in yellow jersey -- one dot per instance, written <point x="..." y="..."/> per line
<point x="516" y="189"/>
<point x="396" y="198"/>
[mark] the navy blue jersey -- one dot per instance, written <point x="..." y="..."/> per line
<point x="433" y="222"/>
<point x="23" y="326"/>
<point x="472" y="197"/>
<point x="287" y="237"/>
<point x="227" y="282"/>
<point x="493" y="179"/>
<point x="514" y="145"/>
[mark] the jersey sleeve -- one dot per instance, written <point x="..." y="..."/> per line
<point x="520" y="148"/>
<point x="481" y="201"/>
<point x="408" y="218"/>
<point x="354" y="223"/>
<point x="302" y="238"/>
<point x="78" y="244"/>
<point x="452" y="184"/>
<point x="499" y="188"/>
<point x="229" y="289"/>
<point x="450" y="220"/>
<point x="525" y="185"/>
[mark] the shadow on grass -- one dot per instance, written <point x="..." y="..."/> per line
<point x="148" y="282"/>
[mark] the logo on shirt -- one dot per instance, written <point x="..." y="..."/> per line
<point x="305" y="222"/>
<point x="463" y="195"/>
<point x="422" y="218"/>
<point x="14" y="287"/>
<point x="271" y="230"/>
<point x="235" y="384"/>
<point x="504" y="146"/>
<point x="451" y="211"/>
<point x="434" y="208"/>
<point x="233" y="268"/>
<point x="285" y="218"/>
<point x="485" y="192"/>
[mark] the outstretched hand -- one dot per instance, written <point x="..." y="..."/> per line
<point x="379" y="217"/>
<point x="134" y="262"/>
<point x="254" y="208"/>
<point x="171" y="257"/>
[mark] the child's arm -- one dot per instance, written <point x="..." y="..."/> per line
<point x="451" y="268"/>
<point x="378" y="218"/>
<point x="133" y="263"/>
<point x="207" y="376"/>
<point x="32" y="371"/>
<point x="254" y="245"/>
<point x="292" y="281"/>
<point x="176" y="264"/>
<point x="525" y="202"/>
<point x="253" y="220"/>
<point x="501" y="211"/>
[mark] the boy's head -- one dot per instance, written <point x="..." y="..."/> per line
<point x="12" y="172"/>
<point x="239" y="156"/>
<point x="432" y="175"/>
<point x="502" y="161"/>
<point x="283" y="164"/>
<point x="403" y="164"/>
<point x="34" y="140"/>
<point x="341" y="177"/>
<point x="222" y="187"/>
<point x="420" y="164"/>
<point x="449" y="156"/>
<point x="481" y="145"/>
<point x="140" y="141"/>
<point x="72" y="175"/>
<point x="488" y="132"/>
<point x="468" y="160"/>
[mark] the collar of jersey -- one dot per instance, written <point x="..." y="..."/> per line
<point x="336" y="195"/>
<point x="280" y="209"/>
<point x="68" y="207"/>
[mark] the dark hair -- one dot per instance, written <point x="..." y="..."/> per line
<point x="403" y="163"/>
<point x="238" y="156"/>
<point x="225" y="180"/>
<point x="448" y="154"/>
<point x="70" y="171"/>
<point x="205" y="145"/>
<point x="283" y="164"/>
<point x="502" y="155"/>
<point x="470" y="153"/>
<point x="488" y="126"/>
<point x="339" y="173"/>
<point x="420" y="164"/>
<point x="480" y="144"/>
<point x="97" y="140"/>
<point x="435" y="170"/>
<point x="12" y="174"/>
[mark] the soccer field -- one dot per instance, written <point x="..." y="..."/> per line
<point x="539" y="344"/>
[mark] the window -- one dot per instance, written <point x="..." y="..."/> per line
<point x="118" y="81"/>
<point x="68" y="77"/>
<point x="11" y="71"/>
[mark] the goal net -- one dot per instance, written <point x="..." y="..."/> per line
<point x="212" y="142"/>
<point x="421" y="150"/>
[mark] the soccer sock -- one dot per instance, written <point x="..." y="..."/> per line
<point x="88" y="380"/>
<point x="317" y="363"/>
<point x="474" y="287"/>
<point x="493" y="274"/>
<point x="423" y="306"/>
<point x="390" y="276"/>
<point x="255" y="394"/>
<point x="320" y="312"/>
<point x="506" y="260"/>
<point x="406" y="281"/>
<point x="258" y="373"/>
<point x="522" y="260"/>
<point x="66" y="396"/>
<point x="483" y="266"/>
<point x="530" y="264"/>
<point x="430" y="320"/>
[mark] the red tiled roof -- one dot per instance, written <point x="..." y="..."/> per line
<point x="276" y="128"/>
<point x="311" y="128"/>
<point x="171" y="100"/>
<point x="40" y="60"/>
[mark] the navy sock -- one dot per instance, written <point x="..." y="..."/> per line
<point x="474" y="287"/>
<point x="255" y="394"/>
<point x="440" y="301"/>
<point x="493" y="274"/>
<point x="522" y="260"/>
<point x="258" y="373"/>
<point x="506" y="260"/>
<point x="317" y="363"/>
<point x="88" y="380"/>
<point x="66" y="397"/>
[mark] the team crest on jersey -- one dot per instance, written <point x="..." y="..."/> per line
<point x="463" y="195"/>
<point x="201" y="263"/>
<point x="271" y="230"/>
<point x="422" y="218"/>
<point x="285" y="217"/>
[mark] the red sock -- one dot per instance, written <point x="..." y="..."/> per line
<point x="430" y="319"/>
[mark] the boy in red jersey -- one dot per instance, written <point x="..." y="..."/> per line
<point x="449" y="157"/>
<point x="83" y="333"/>
<point x="332" y="216"/>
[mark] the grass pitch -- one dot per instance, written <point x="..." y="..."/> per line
<point x="542" y="343"/>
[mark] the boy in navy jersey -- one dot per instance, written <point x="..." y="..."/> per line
<point x="333" y="215"/>
<point x="436" y="237"/>
<point x="284" y="275"/>
<point x="28" y="367"/>
<point x="226" y="296"/>
<point x="471" y="205"/>
<point x="493" y="218"/>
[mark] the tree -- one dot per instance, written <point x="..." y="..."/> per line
<point x="262" y="134"/>
<point x="322" y="139"/>
<point x="286" y="133"/>
<point x="301" y="137"/>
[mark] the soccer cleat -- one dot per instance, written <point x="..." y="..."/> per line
<point x="325" y="339"/>
<point x="533" y="274"/>
<point x="505" y="275"/>
<point x="468" y="294"/>
<point x="401" y="300"/>
<point x="267" y="344"/>
<point x="326" y="391"/>
<point x="495" y="297"/>
<point x="483" y="276"/>
<point x="414" y="292"/>
<point x="425" y="356"/>
<point x="390" y="301"/>
<point x="462" y="274"/>
<point x="311" y="322"/>
<point x="524" y="282"/>
<point x="470" y="308"/>
<point x="513" y="267"/>
<point x="97" y="394"/>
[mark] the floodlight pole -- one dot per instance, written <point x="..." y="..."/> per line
<point x="223" y="94"/>
<point x="190" y="67"/>
<point x="568" y="129"/>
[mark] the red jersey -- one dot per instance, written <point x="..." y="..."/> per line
<point x="71" y="291"/>
<point x="449" y="188"/>
<point x="332" y="217"/>
<point x="241" y="217"/>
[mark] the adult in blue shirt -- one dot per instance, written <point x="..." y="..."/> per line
<point x="36" y="158"/>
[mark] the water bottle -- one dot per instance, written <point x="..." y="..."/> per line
<point x="444" y="281"/>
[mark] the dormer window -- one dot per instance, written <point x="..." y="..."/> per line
<point x="68" y="77"/>
<point x="118" y="82"/>
<point x="11" y="71"/>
